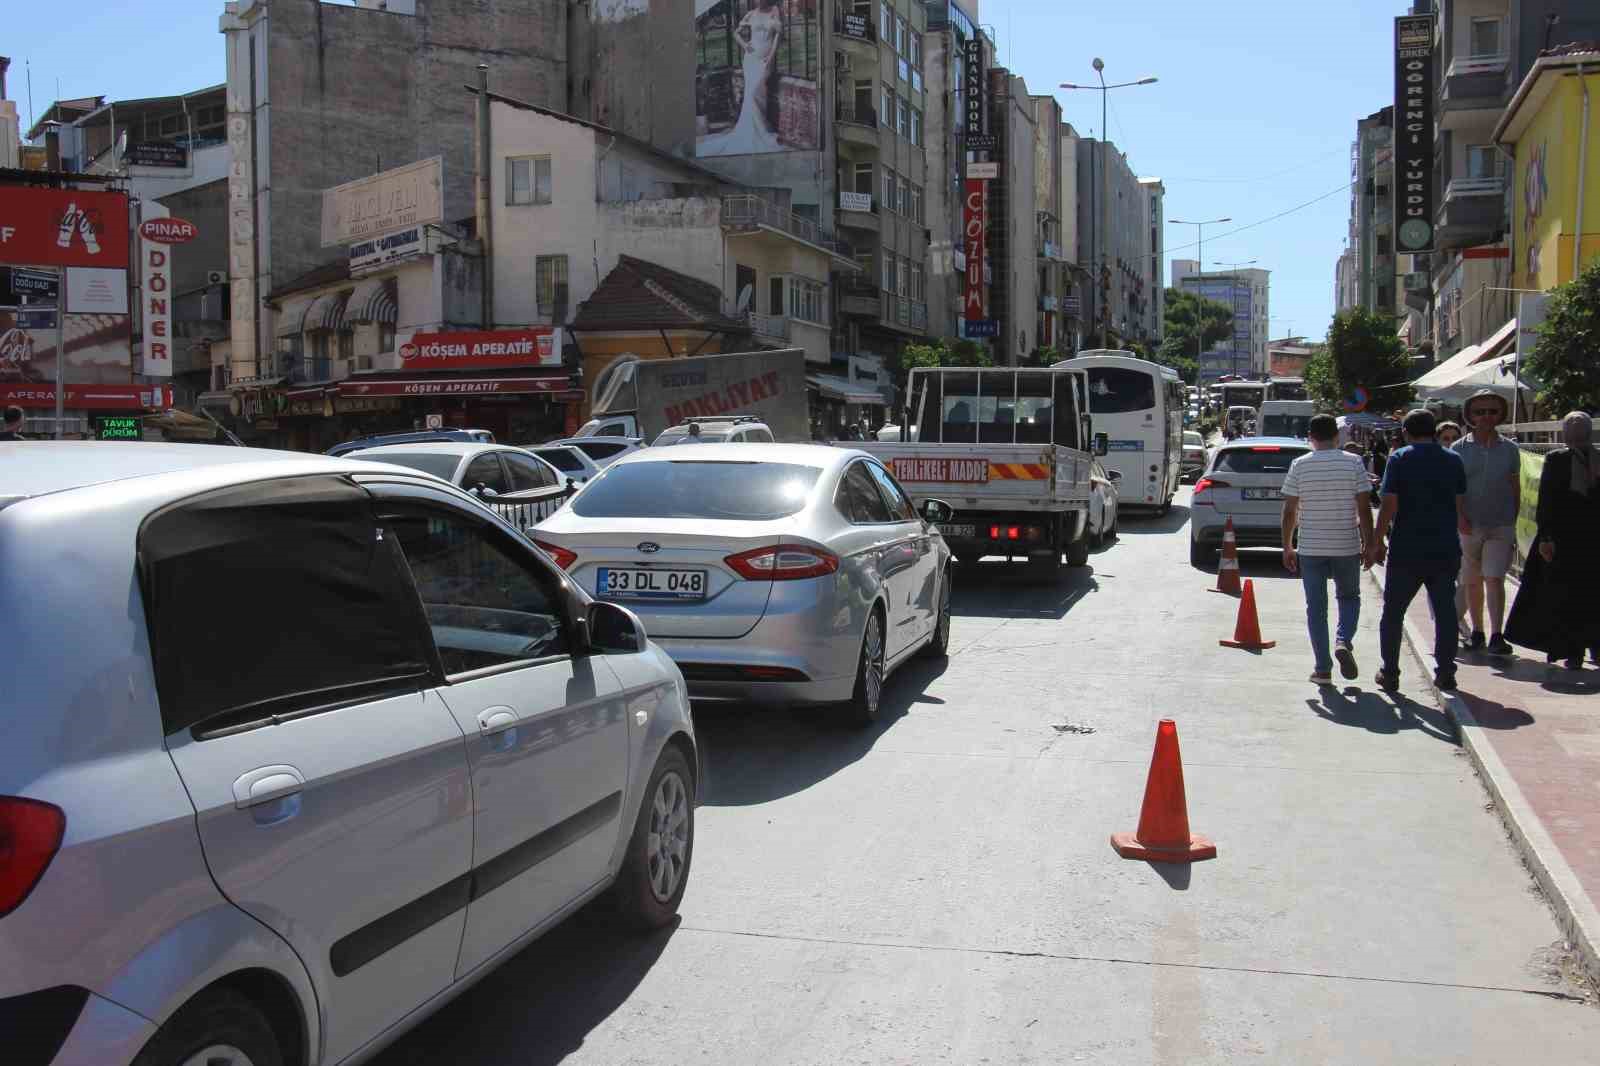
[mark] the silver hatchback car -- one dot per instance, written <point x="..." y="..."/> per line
<point x="773" y="573"/>
<point x="296" y="750"/>
<point x="1243" y="483"/>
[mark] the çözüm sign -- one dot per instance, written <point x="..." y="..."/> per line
<point x="955" y="471"/>
<point x="168" y="230"/>
<point x="972" y="245"/>
<point x="1413" y="132"/>
<point x="477" y="349"/>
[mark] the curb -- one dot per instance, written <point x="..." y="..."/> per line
<point x="1575" y="912"/>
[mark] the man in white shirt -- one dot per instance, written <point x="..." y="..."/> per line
<point x="1327" y="494"/>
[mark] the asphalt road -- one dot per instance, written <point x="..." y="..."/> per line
<point x="941" y="888"/>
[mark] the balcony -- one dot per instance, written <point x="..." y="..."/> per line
<point x="747" y="213"/>
<point x="857" y="125"/>
<point x="857" y="211"/>
<point x="857" y="33"/>
<point x="1473" y="212"/>
<point x="773" y="328"/>
<point x="858" y="297"/>
<point x="1472" y="83"/>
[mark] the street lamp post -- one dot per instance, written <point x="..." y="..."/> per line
<point x="1233" y="298"/>
<point x="1199" y="287"/>
<point x="1102" y="228"/>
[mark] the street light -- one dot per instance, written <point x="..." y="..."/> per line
<point x="1233" y="298"/>
<point x="1100" y="241"/>
<point x="1199" y="295"/>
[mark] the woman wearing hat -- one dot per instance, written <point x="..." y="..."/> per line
<point x="1554" y="612"/>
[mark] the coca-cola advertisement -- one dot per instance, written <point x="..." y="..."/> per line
<point x="98" y="349"/>
<point x="64" y="227"/>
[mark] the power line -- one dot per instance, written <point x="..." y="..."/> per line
<point x="1271" y="218"/>
<point x="1266" y="177"/>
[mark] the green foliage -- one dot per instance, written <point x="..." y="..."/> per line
<point x="1362" y="351"/>
<point x="1185" y="313"/>
<point x="1567" y="361"/>
<point x="941" y="353"/>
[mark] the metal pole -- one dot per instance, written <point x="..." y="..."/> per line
<point x="1199" y="297"/>
<point x="484" y="207"/>
<point x="1105" y="212"/>
<point x="61" y="347"/>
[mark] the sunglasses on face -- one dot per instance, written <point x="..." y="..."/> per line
<point x="1482" y="411"/>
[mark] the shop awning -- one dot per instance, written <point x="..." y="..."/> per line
<point x="1452" y="369"/>
<point x="372" y="301"/>
<point x="837" y="388"/>
<point x="327" y="312"/>
<point x="292" y="320"/>
<point x="553" y="384"/>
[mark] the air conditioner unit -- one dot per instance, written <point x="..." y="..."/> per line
<point x="1416" y="281"/>
<point x="216" y="277"/>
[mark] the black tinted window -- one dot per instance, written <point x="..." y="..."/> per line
<point x="1286" y="426"/>
<point x="1263" y="459"/>
<point x="440" y="466"/>
<point x="330" y="615"/>
<point x="528" y="474"/>
<point x="485" y="470"/>
<point x="602" y="451"/>
<point x="562" y="459"/>
<point x="1114" y="390"/>
<point x="858" y="498"/>
<point x="899" y="506"/>
<point x="697" y="489"/>
<point x="486" y="601"/>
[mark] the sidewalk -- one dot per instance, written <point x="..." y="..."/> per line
<point x="1533" y="732"/>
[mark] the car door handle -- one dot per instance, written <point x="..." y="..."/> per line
<point x="496" y="720"/>
<point x="265" y="784"/>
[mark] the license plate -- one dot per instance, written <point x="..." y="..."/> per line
<point x="1263" y="494"/>
<point x="961" y="531"/>
<point x="629" y="583"/>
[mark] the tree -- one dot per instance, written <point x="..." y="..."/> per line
<point x="1363" y="351"/>
<point x="1186" y="311"/>
<point x="1566" y="362"/>
<point x="939" y="353"/>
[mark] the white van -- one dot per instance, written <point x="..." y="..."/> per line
<point x="1286" y="418"/>
<point x="1239" y="419"/>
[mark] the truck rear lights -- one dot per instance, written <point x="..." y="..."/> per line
<point x="30" y="836"/>
<point x="1014" y="532"/>
<point x="783" y="562"/>
<point x="561" y="556"/>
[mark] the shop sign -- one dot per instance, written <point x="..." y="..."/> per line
<point x="857" y="27"/>
<point x="166" y="230"/>
<point x="855" y="201"/>
<point x="478" y="349"/>
<point x="119" y="427"/>
<point x="972" y="242"/>
<point x="972" y="89"/>
<point x="361" y="405"/>
<point x="19" y="286"/>
<point x="1413" y="131"/>
<point x="981" y="142"/>
<point x="456" y="387"/>
<point x="367" y="257"/>
<point x="990" y="171"/>
<point x="97" y="291"/>
<point x="975" y="329"/>
<point x="64" y="227"/>
<point x="156" y="154"/>
<point x="89" y="397"/>
<point x="157" y="234"/>
<point x="398" y="199"/>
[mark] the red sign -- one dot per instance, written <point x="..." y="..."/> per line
<point x="479" y="349"/>
<point x="64" y="227"/>
<point x="168" y="230"/>
<point x="454" y="387"/>
<point x="89" y="397"/>
<point x="972" y="230"/>
<point x="959" y="471"/>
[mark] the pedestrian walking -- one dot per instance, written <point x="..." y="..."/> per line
<point x="1424" y="501"/>
<point x="1449" y="433"/>
<point x="1554" y="612"/>
<point x="1326" y="497"/>
<point x="1489" y="532"/>
<point x="1379" y="455"/>
<point x="13" y="424"/>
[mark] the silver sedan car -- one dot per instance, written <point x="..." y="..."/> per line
<point x="772" y="573"/>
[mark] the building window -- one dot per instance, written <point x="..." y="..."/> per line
<point x="528" y="180"/>
<point x="916" y="203"/>
<point x="864" y="178"/>
<point x="890" y="197"/>
<point x="916" y="51"/>
<point x="550" y="277"/>
<point x="886" y="118"/>
<point x="902" y="276"/>
<point x="889" y="271"/>
<point x="900" y="36"/>
<point x="903" y="204"/>
<point x="918" y="290"/>
<point x="775" y="295"/>
<point x="886" y="24"/>
<point x="1482" y="161"/>
<point x="916" y="126"/>
<point x="1485" y="40"/>
<point x="808" y="300"/>
<point x="385" y="337"/>
<point x="903" y="117"/>
<point x="347" y="342"/>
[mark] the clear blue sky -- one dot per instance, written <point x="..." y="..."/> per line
<point x="1253" y="115"/>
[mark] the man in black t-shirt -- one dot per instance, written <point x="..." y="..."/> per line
<point x="13" y="427"/>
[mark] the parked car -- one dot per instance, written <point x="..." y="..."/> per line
<point x="318" y="744"/>
<point x="1244" y="482"/>
<point x="1104" y="493"/>
<point x="1193" y="462"/>
<point x="735" y="429"/>
<point x="570" y="460"/>
<point x="521" y="487"/>
<point x="603" y="450"/>
<point x="773" y="573"/>
<point x="467" y="436"/>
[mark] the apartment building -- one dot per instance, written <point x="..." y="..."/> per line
<point x="1119" y="246"/>
<point x="1247" y="292"/>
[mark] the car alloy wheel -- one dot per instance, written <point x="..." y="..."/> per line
<point x="667" y="846"/>
<point x="942" y="629"/>
<point x="219" y="1055"/>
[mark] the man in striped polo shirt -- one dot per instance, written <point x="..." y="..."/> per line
<point x="1327" y="494"/>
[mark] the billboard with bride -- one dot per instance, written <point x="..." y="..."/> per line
<point x="757" y="68"/>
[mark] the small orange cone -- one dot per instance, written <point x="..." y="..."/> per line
<point x="1247" y="630"/>
<point x="1163" y="834"/>
<point x="1228" y="565"/>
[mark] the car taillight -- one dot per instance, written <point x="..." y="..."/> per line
<point x="1205" y="484"/>
<point x="561" y="556"/>
<point x="30" y="836"/>
<point x="783" y="562"/>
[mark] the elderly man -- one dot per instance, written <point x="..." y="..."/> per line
<point x="1489" y="531"/>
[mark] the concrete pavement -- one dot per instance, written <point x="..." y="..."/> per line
<point x="941" y="888"/>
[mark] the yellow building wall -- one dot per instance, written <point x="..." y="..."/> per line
<point x="1546" y="187"/>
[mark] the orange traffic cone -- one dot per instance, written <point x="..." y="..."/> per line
<point x="1163" y="834"/>
<point x="1228" y="565"/>
<point x="1247" y="630"/>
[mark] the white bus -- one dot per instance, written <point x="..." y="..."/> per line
<point x="1139" y="405"/>
<point x="1250" y="394"/>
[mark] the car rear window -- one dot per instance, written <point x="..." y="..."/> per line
<point x="560" y="458"/>
<point x="1257" y="459"/>
<point x="1286" y="426"/>
<point x="600" y="450"/>
<point x="436" y="463"/>
<point x="698" y="489"/>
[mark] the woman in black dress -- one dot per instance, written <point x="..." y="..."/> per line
<point x="1555" y="607"/>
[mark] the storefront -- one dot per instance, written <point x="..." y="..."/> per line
<point x="83" y="405"/>
<point x="840" y="408"/>
<point x="517" y="405"/>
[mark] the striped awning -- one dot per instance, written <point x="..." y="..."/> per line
<point x="327" y="311"/>
<point x="291" y="320"/>
<point x="372" y="301"/>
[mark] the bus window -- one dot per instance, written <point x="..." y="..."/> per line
<point x="1115" y="391"/>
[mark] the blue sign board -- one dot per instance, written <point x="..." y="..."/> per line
<point x="980" y="328"/>
<point x="1124" y="446"/>
<point x="45" y="319"/>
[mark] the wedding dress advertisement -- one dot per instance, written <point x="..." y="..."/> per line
<point x="757" y="37"/>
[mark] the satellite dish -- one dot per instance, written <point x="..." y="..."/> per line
<point x="746" y="294"/>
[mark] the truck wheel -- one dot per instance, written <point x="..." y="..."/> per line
<point x="1078" y="551"/>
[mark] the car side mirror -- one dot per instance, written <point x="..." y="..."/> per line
<point x="1102" y="443"/>
<point x="614" y="630"/>
<point x="936" y="511"/>
<point x="572" y="485"/>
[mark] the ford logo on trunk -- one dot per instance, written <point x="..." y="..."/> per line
<point x="649" y="547"/>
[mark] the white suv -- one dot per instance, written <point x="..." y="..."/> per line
<point x="296" y="749"/>
<point x="733" y="429"/>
